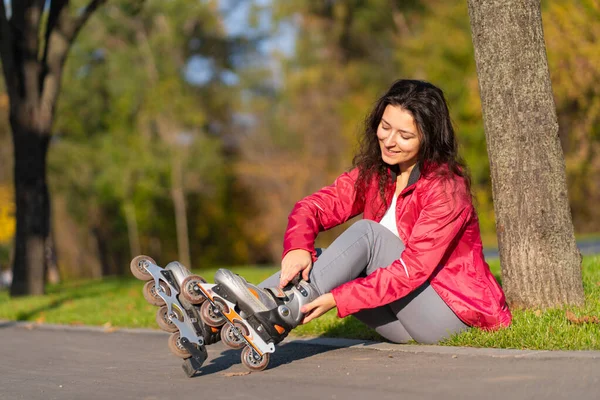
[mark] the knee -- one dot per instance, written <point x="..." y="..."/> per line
<point x="364" y="225"/>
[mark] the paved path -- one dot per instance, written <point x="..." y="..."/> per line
<point x="49" y="362"/>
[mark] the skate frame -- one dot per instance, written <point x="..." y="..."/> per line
<point x="186" y="327"/>
<point x="253" y="339"/>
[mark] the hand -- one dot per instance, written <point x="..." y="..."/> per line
<point x="293" y="263"/>
<point x="317" y="307"/>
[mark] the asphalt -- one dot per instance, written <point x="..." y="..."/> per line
<point x="62" y="362"/>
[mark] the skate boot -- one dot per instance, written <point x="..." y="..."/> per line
<point x="272" y="312"/>
<point x="171" y="289"/>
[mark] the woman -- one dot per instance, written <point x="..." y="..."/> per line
<point x="413" y="268"/>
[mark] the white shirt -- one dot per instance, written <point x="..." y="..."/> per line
<point x="389" y="219"/>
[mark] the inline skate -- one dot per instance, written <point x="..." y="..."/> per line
<point x="240" y="314"/>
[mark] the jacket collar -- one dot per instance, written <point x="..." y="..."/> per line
<point x="415" y="174"/>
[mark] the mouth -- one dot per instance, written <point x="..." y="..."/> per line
<point x="390" y="152"/>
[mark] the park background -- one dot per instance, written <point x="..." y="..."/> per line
<point x="187" y="130"/>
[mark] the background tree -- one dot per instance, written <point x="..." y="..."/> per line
<point x="141" y="156"/>
<point x="539" y="257"/>
<point x="307" y="119"/>
<point x="35" y="41"/>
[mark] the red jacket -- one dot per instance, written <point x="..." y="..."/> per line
<point x="439" y="227"/>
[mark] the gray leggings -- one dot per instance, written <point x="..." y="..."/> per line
<point x="421" y="315"/>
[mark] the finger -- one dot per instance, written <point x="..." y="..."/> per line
<point x="306" y="272"/>
<point x="315" y="313"/>
<point x="289" y="274"/>
<point x="284" y="278"/>
<point x="307" y="308"/>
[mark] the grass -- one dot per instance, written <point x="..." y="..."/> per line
<point x="118" y="302"/>
<point x="550" y="329"/>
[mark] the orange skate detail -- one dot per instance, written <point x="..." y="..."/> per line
<point x="280" y="329"/>
<point x="254" y="292"/>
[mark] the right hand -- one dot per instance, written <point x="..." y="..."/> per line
<point x="293" y="263"/>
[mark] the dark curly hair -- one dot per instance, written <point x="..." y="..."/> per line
<point x="439" y="147"/>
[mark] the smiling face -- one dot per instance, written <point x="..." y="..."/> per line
<point x="399" y="138"/>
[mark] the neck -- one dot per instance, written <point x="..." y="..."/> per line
<point x="405" y="170"/>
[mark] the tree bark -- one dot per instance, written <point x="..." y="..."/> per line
<point x="32" y="210"/>
<point x="541" y="265"/>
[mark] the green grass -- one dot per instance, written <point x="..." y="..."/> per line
<point x="118" y="302"/>
<point x="549" y="329"/>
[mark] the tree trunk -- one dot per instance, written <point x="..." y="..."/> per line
<point x="32" y="64"/>
<point x="132" y="229"/>
<point x="52" y="272"/>
<point x="32" y="206"/>
<point x="541" y="265"/>
<point x="178" y="196"/>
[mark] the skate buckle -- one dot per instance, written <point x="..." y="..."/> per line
<point x="284" y="311"/>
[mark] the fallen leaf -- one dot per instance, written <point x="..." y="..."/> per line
<point x="586" y="319"/>
<point x="236" y="373"/>
<point x="108" y="328"/>
<point x="538" y="313"/>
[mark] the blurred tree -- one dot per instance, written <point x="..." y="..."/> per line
<point x="437" y="47"/>
<point x="35" y="36"/>
<point x="572" y="34"/>
<point x="541" y="266"/>
<point x="150" y="110"/>
<point x="305" y="126"/>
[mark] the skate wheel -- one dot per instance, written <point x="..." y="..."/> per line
<point x="209" y="317"/>
<point x="176" y="347"/>
<point x="253" y="361"/>
<point x="229" y="337"/>
<point x="188" y="291"/>
<point x="243" y="328"/>
<point x="163" y="320"/>
<point x="138" y="270"/>
<point x="223" y="307"/>
<point x="152" y="296"/>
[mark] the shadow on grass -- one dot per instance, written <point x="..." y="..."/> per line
<point x="350" y="327"/>
<point x="71" y="292"/>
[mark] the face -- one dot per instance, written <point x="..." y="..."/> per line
<point x="399" y="138"/>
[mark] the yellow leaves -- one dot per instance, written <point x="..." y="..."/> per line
<point x="7" y="210"/>
<point x="108" y="328"/>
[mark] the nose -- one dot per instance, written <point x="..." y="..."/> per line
<point x="389" y="141"/>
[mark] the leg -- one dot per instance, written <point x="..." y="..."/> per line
<point x="360" y="250"/>
<point x="426" y="316"/>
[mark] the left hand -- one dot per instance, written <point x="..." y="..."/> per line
<point x="317" y="307"/>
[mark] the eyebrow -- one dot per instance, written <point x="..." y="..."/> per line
<point x="401" y="130"/>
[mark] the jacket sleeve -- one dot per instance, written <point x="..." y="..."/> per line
<point x="325" y="209"/>
<point x="440" y="221"/>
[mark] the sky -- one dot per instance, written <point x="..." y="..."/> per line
<point x="237" y="23"/>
